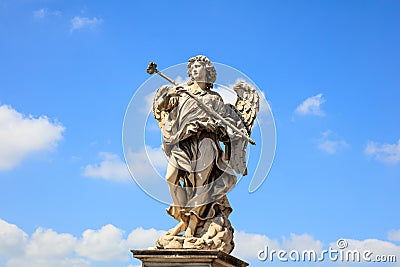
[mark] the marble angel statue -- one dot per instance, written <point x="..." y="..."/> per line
<point x="205" y="141"/>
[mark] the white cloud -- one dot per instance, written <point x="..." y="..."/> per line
<point x="78" y="23"/>
<point x="330" y="143"/>
<point x="247" y="245"/>
<point x="46" y="242"/>
<point x="110" y="168"/>
<point x="144" y="165"/>
<point x="47" y="262"/>
<point x="387" y="153"/>
<point x="12" y="239"/>
<point x="311" y="106"/>
<point x="21" y="136"/>
<point x="44" y="12"/>
<point x="301" y="242"/>
<point x="377" y="247"/>
<point x="142" y="239"/>
<point x="47" y="248"/>
<point x="394" y="235"/>
<point x="106" y="244"/>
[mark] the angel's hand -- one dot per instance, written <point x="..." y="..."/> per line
<point x="174" y="91"/>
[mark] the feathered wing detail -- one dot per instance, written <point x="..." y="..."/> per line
<point x="247" y="103"/>
<point x="245" y="112"/>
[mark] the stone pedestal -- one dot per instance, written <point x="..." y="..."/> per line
<point x="186" y="257"/>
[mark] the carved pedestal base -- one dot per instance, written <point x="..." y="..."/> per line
<point x="215" y="234"/>
<point x="186" y="257"/>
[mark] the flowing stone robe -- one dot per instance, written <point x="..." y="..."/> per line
<point x="191" y="140"/>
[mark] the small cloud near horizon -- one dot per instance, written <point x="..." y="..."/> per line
<point x="311" y="106"/>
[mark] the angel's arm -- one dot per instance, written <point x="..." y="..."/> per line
<point x="166" y="102"/>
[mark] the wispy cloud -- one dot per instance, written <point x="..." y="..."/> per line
<point x="311" y="106"/>
<point x="110" y="168"/>
<point x="330" y="143"/>
<point x="40" y="13"/>
<point x="21" y="136"/>
<point x="45" y="12"/>
<point x="387" y="153"/>
<point x="78" y="23"/>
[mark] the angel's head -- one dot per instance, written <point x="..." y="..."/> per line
<point x="201" y="69"/>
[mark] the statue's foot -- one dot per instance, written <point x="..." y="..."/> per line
<point x="180" y="227"/>
<point x="192" y="225"/>
<point x="188" y="233"/>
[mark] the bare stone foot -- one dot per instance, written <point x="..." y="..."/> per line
<point x="191" y="229"/>
<point x="188" y="233"/>
<point x="180" y="227"/>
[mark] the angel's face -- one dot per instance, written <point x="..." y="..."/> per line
<point x="199" y="72"/>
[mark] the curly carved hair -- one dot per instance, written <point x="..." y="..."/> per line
<point x="211" y="74"/>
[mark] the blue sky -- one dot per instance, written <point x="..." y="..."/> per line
<point x="68" y="70"/>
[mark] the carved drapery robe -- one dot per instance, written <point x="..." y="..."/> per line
<point x="191" y="140"/>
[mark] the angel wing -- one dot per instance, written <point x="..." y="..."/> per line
<point x="247" y="104"/>
<point x="246" y="108"/>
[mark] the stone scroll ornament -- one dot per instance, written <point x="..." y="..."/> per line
<point x="195" y="122"/>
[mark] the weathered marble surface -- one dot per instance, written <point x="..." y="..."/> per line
<point x="187" y="257"/>
<point x="215" y="234"/>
